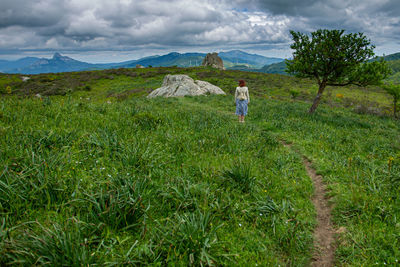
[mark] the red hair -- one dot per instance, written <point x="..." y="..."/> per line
<point x="242" y="83"/>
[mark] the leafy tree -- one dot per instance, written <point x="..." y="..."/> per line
<point x="394" y="91"/>
<point x="336" y="59"/>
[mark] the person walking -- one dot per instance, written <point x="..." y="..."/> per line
<point x="242" y="99"/>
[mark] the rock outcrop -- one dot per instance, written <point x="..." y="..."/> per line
<point x="214" y="61"/>
<point x="183" y="85"/>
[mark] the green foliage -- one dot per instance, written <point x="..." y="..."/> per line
<point x="57" y="245"/>
<point x="294" y="93"/>
<point x="241" y="176"/>
<point x="334" y="58"/>
<point x="120" y="203"/>
<point x="394" y="91"/>
<point x="147" y="120"/>
<point x="193" y="237"/>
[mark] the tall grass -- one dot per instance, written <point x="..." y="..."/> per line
<point x="159" y="182"/>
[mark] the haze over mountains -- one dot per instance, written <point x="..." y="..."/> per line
<point x="60" y="63"/>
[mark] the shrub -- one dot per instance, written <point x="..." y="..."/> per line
<point x="294" y="93"/>
<point x="241" y="176"/>
<point x="147" y="120"/>
<point x="119" y="203"/>
<point x="193" y="239"/>
<point x="57" y="245"/>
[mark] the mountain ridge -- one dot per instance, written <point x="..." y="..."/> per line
<point x="60" y="63"/>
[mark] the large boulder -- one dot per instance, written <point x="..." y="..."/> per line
<point x="214" y="61"/>
<point x="182" y="85"/>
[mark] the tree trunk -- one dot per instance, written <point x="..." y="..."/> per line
<point x="395" y="108"/>
<point x="317" y="99"/>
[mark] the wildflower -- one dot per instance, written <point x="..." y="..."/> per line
<point x="240" y="224"/>
<point x="260" y="214"/>
<point x="339" y="95"/>
<point x="9" y="90"/>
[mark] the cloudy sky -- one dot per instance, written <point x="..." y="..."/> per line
<point x="116" y="30"/>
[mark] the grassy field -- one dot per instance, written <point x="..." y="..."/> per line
<point x="122" y="83"/>
<point x="104" y="176"/>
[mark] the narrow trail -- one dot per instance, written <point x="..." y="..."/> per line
<point x="324" y="240"/>
<point x="324" y="234"/>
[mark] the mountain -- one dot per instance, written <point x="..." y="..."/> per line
<point x="238" y="57"/>
<point x="393" y="61"/>
<point x="391" y="57"/>
<point x="6" y="65"/>
<point x="231" y="58"/>
<point x="57" y="63"/>
<point x="171" y="59"/>
<point x="395" y="56"/>
<point x="60" y="63"/>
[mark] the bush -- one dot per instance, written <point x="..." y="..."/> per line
<point x="192" y="237"/>
<point x="241" y="176"/>
<point x="147" y="120"/>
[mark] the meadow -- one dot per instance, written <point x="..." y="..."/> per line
<point x="99" y="175"/>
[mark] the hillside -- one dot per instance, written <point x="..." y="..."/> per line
<point x="140" y="81"/>
<point x="276" y="68"/>
<point x="96" y="174"/>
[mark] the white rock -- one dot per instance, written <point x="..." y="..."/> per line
<point x="182" y="85"/>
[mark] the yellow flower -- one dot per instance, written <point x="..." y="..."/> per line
<point x="9" y="90"/>
<point x="339" y="95"/>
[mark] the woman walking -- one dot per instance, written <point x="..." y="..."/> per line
<point x="242" y="98"/>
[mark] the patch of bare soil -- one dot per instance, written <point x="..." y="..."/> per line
<point x="324" y="239"/>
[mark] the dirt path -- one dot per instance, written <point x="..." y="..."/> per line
<point x="324" y="241"/>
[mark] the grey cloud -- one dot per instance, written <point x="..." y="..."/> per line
<point x="30" y="13"/>
<point x="137" y="24"/>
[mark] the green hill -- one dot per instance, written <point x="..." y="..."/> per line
<point x="276" y="68"/>
<point x="94" y="173"/>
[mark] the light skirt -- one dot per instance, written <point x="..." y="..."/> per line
<point x="241" y="107"/>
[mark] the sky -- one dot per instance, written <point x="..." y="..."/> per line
<point x="116" y="30"/>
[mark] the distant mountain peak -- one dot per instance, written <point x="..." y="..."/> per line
<point x="57" y="56"/>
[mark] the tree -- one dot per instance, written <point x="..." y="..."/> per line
<point x="336" y="59"/>
<point x="394" y="91"/>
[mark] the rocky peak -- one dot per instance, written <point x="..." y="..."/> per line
<point x="57" y="55"/>
<point x="214" y="61"/>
